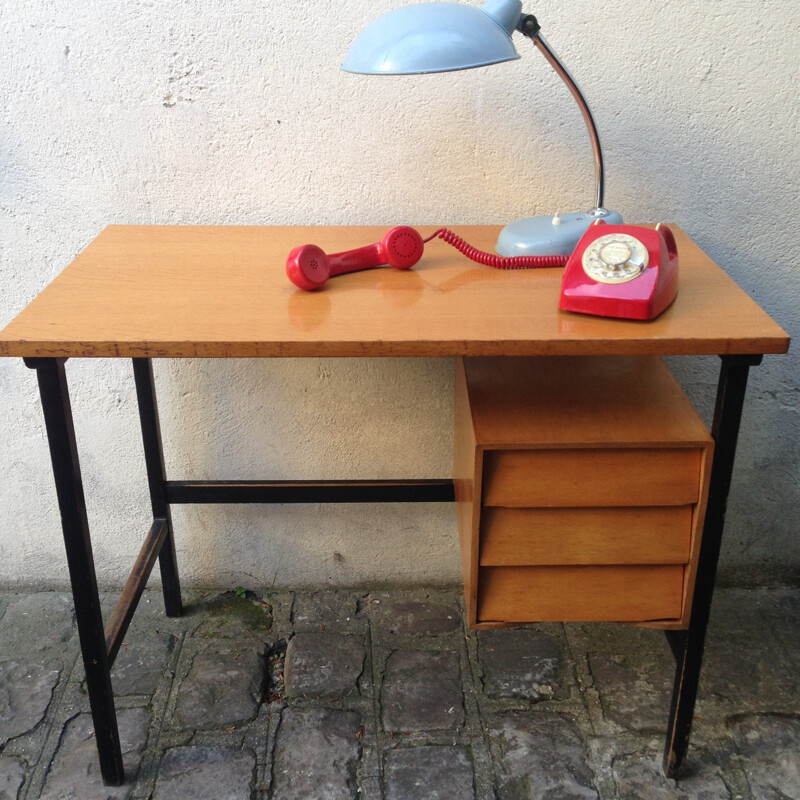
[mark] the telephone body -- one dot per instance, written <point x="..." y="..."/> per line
<point x="623" y="271"/>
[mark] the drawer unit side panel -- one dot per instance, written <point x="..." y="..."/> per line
<point x="467" y="476"/>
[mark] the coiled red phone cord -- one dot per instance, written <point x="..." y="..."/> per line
<point x="492" y="260"/>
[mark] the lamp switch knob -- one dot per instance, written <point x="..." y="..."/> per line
<point x="528" y="25"/>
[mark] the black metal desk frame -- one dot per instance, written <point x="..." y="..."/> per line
<point x="100" y="645"/>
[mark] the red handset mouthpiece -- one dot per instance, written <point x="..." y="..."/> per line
<point x="309" y="267"/>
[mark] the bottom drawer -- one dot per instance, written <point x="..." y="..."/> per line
<point x="638" y="593"/>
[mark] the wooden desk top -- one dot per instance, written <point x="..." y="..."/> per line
<point x="180" y="291"/>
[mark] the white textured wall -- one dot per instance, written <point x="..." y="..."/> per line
<point x="234" y="111"/>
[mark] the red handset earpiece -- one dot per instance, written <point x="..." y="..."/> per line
<point x="309" y="267"/>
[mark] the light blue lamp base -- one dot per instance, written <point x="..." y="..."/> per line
<point x="545" y="236"/>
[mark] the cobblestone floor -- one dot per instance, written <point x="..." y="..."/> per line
<point x="344" y="694"/>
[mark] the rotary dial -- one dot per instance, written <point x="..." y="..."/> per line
<point x="615" y="258"/>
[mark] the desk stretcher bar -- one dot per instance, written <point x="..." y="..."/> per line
<point x="398" y="491"/>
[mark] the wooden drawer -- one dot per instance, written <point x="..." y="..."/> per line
<point x="592" y="477"/>
<point x="520" y="536"/>
<point x="580" y="594"/>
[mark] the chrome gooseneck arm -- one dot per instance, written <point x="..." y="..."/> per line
<point x="530" y="28"/>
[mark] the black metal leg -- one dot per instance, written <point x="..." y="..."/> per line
<point x="689" y="649"/>
<point x="156" y="478"/>
<point x="75" y="527"/>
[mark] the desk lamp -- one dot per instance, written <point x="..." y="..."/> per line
<point x="443" y="37"/>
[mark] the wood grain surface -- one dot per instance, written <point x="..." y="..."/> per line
<point x="194" y="291"/>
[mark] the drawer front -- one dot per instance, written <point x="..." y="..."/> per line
<point x="579" y="594"/>
<point x="538" y="536"/>
<point x="584" y="478"/>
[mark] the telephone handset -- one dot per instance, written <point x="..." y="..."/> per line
<point x="622" y="271"/>
<point x="309" y="267"/>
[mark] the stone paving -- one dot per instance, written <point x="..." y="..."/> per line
<point x="385" y="695"/>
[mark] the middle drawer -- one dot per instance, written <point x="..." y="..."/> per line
<point x="542" y="536"/>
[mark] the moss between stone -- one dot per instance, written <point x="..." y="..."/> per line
<point x="252" y="610"/>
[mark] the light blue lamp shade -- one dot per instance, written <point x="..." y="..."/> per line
<point x="436" y="37"/>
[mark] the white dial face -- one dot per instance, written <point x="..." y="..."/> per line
<point x="615" y="258"/>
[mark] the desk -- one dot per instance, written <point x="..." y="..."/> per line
<point x="144" y="292"/>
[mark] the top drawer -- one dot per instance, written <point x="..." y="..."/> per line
<point x="592" y="477"/>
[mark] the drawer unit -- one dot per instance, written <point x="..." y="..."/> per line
<point x="580" y="489"/>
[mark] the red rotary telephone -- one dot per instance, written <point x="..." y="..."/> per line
<point x="622" y="271"/>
